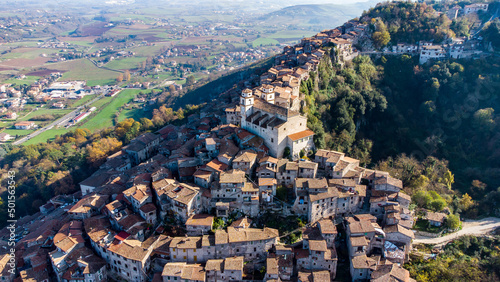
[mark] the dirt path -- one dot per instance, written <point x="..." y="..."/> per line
<point x="469" y="227"/>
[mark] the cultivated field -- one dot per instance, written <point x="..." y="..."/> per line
<point x="126" y="63"/>
<point x="83" y="69"/>
<point x="264" y="42"/>
<point x="105" y="115"/>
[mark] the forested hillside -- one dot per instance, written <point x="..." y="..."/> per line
<point x="407" y="22"/>
<point x="410" y="22"/>
<point x="467" y="259"/>
<point x="435" y="126"/>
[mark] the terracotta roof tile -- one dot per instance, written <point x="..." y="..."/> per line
<point x="200" y="220"/>
<point x="300" y="135"/>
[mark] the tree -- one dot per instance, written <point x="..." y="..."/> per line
<point x="484" y="119"/>
<point x="119" y="78"/>
<point x="438" y="204"/>
<point x="422" y="198"/>
<point x="491" y="32"/>
<point x="381" y="36"/>
<point x="448" y="179"/>
<point x="218" y="224"/>
<point x="460" y="26"/>
<point x="286" y="152"/>
<point x="126" y="75"/>
<point x="282" y="193"/>
<point x="465" y="202"/>
<point x="421" y="182"/>
<point x="146" y="123"/>
<point x="99" y="150"/>
<point x="190" y="80"/>
<point x="453" y="222"/>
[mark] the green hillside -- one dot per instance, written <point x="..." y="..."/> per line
<point x="317" y="17"/>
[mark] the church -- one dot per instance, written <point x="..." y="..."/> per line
<point x="280" y="127"/>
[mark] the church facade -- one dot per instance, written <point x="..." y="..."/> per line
<point x="280" y="127"/>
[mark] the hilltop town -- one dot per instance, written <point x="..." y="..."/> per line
<point x="184" y="203"/>
<point x="236" y="190"/>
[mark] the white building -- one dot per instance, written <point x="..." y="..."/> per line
<point x="474" y="8"/>
<point x="431" y="52"/>
<point x="279" y="127"/>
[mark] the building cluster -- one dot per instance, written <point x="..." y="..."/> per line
<point x="11" y="101"/>
<point x="456" y="48"/>
<point x="272" y="109"/>
<point x="33" y="22"/>
<point x="149" y="211"/>
<point x="115" y="227"/>
<point x="453" y="48"/>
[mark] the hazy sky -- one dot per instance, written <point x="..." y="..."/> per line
<point x="262" y="6"/>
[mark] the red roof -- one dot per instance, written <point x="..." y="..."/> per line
<point x="122" y="236"/>
<point x="160" y="229"/>
<point x="244" y="134"/>
<point x="217" y="165"/>
<point x="300" y="135"/>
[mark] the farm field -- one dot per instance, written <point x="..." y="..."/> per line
<point x="17" y="132"/>
<point x="26" y="114"/>
<point x="83" y="69"/>
<point x="104" y="117"/>
<point x="81" y="41"/>
<point x="41" y="111"/>
<point x="136" y="114"/>
<point x="146" y="51"/>
<point x="291" y="34"/>
<point x="125" y="63"/>
<point x="29" y="53"/>
<point x="21" y="63"/>
<point x="82" y="101"/>
<point x="101" y="102"/>
<point x="264" y="41"/>
<point x="30" y="79"/>
<point x="46" y="135"/>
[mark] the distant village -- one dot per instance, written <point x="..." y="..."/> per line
<point x="228" y="163"/>
<point x="49" y="88"/>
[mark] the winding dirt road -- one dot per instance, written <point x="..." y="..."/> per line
<point x="469" y="227"/>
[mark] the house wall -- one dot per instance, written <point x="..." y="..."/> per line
<point x="128" y="269"/>
<point x="187" y="255"/>
<point x="202" y="182"/>
<point x="305" y="144"/>
<point x="86" y="189"/>
<point x="398" y="237"/>
<point x="195" y="230"/>
<point x="307" y="173"/>
<point x="360" y="274"/>
<point x="322" y="209"/>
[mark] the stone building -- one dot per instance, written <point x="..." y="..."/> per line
<point x="228" y="269"/>
<point x="279" y="127"/>
<point x="182" y="200"/>
<point x="181" y="271"/>
<point x="199" y="224"/>
<point x="142" y="147"/>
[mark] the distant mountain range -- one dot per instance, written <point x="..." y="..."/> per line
<point x="319" y="16"/>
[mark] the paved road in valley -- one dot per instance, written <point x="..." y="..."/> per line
<point x="60" y="122"/>
<point x="469" y="227"/>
